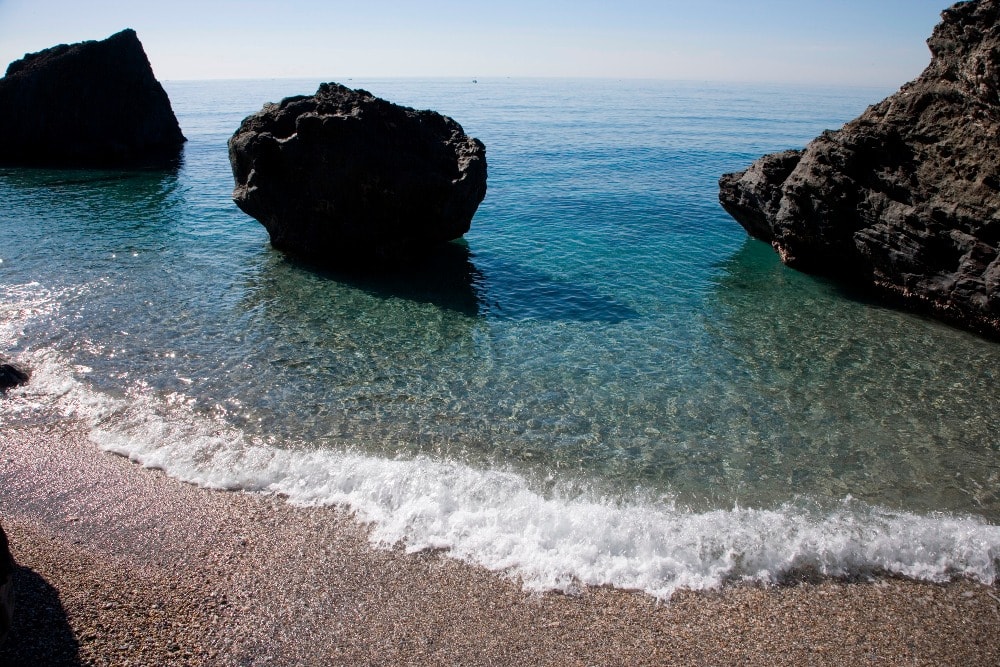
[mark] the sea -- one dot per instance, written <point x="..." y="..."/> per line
<point x="606" y="382"/>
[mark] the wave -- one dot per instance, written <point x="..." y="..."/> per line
<point x="495" y="518"/>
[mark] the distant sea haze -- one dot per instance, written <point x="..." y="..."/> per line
<point x="607" y="382"/>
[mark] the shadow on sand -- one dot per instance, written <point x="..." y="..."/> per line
<point x="40" y="633"/>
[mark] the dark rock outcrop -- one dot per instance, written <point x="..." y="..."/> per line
<point x="91" y="104"/>
<point x="905" y="199"/>
<point x="6" y="586"/>
<point x="12" y="374"/>
<point x="346" y="179"/>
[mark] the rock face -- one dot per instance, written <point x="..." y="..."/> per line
<point x="347" y="179"/>
<point x="905" y="199"/>
<point x="92" y="104"/>
<point x="6" y="586"/>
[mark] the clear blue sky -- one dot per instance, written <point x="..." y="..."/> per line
<point x="876" y="42"/>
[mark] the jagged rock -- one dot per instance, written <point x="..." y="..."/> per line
<point x="12" y="374"/>
<point x="6" y="586"/>
<point x="91" y="104"/>
<point x="347" y="179"/>
<point x="905" y="199"/>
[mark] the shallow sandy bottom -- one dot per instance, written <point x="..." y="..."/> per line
<point x="121" y="565"/>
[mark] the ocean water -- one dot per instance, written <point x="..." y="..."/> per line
<point x="605" y="383"/>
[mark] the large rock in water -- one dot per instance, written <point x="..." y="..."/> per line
<point x="904" y="199"/>
<point x="347" y="179"/>
<point x="92" y="104"/>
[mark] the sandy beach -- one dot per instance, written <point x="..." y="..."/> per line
<point x="119" y="565"/>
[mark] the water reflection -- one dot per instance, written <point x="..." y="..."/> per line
<point x="136" y="183"/>
<point x="112" y="206"/>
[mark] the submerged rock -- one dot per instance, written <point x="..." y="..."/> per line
<point x="6" y="586"/>
<point x="905" y="199"/>
<point x="91" y="104"/>
<point x="347" y="179"/>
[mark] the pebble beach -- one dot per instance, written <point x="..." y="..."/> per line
<point x="119" y="565"/>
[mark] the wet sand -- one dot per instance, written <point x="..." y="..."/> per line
<point x="119" y="565"/>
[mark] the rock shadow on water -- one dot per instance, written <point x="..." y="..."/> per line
<point x="445" y="276"/>
<point x="40" y="633"/>
<point x="510" y="291"/>
<point x="455" y="278"/>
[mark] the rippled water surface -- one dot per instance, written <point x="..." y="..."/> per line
<point x="604" y="337"/>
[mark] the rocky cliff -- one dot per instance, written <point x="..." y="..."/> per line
<point x="905" y="199"/>
<point x="91" y="104"/>
<point x="350" y="180"/>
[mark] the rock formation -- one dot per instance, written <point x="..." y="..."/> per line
<point x="347" y="179"/>
<point x="92" y="104"/>
<point x="905" y="199"/>
<point x="11" y="374"/>
<point x="6" y="586"/>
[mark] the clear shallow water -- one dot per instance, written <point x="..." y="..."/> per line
<point x="607" y="383"/>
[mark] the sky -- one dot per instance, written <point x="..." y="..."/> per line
<point x="863" y="42"/>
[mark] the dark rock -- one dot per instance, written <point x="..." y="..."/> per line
<point x="6" y="586"/>
<point x="11" y="374"/>
<point x="347" y="179"/>
<point x="91" y="104"/>
<point x="905" y="199"/>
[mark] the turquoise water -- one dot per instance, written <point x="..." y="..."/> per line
<point x="605" y="342"/>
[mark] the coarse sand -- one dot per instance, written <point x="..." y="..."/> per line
<point x="119" y="565"/>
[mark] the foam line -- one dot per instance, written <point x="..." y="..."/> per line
<point x="495" y="519"/>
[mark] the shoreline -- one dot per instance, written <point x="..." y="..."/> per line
<point x="128" y="564"/>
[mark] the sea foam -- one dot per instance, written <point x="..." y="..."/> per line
<point x="495" y="518"/>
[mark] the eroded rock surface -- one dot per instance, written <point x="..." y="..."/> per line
<point x="347" y="179"/>
<point x="905" y="199"/>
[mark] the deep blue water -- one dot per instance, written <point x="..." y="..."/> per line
<point x="606" y="381"/>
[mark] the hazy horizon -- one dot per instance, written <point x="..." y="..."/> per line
<point x="773" y="41"/>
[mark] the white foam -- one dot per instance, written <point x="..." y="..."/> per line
<point x="495" y="519"/>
